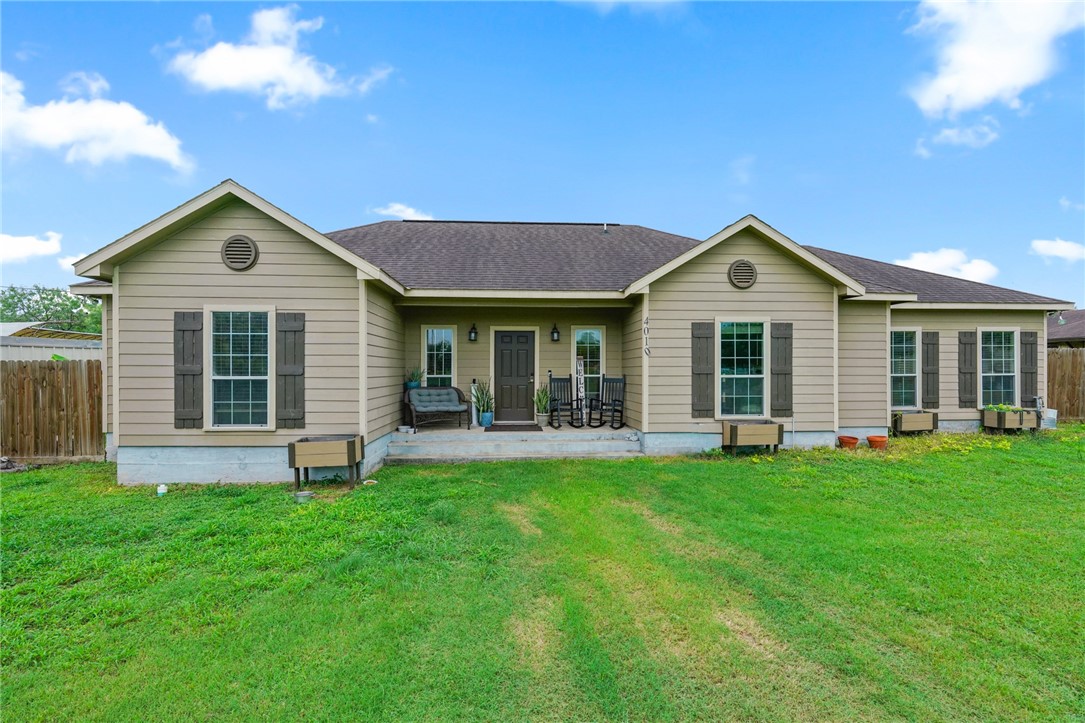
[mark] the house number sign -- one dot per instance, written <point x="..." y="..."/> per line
<point x="647" y="348"/>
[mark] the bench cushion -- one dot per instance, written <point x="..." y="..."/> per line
<point x="436" y="399"/>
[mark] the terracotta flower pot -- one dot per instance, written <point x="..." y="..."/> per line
<point x="878" y="441"/>
<point x="847" y="442"/>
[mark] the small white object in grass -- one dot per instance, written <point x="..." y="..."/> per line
<point x="370" y="482"/>
<point x="162" y="490"/>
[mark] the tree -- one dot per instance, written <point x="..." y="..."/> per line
<point x="58" y="307"/>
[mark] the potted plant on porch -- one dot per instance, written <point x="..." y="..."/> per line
<point x="542" y="404"/>
<point x="483" y="399"/>
<point x="413" y="378"/>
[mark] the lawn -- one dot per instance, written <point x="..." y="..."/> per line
<point x="943" y="580"/>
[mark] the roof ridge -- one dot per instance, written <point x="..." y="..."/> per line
<point x="511" y="223"/>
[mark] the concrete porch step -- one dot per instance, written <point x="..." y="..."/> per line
<point x="459" y="458"/>
<point x="461" y="446"/>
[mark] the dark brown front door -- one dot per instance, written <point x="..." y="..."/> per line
<point x="514" y="369"/>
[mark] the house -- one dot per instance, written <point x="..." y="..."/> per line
<point x="232" y="328"/>
<point x="36" y="341"/>
<point x="1066" y="329"/>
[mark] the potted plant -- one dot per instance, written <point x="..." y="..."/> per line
<point x="413" y="378"/>
<point x="483" y="399"/>
<point x="542" y="404"/>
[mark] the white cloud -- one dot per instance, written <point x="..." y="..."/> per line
<point x="82" y="84"/>
<point x="1067" y="205"/>
<point x="1058" y="249"/>
<point x="951" y="262"/>
<point x="65" y="262"/>
<point x="93" y="130"/>
<point x="921" y="149"/>
<point x="742" y="169"/>
<point x="605" y="7"/>
<point x="372" y="118"/>
<point x="979" y="135"/>
<point x="399" y="210"/>
<point x="375" y="78"/>
<point x="269" y="63"/>
<point x="14" y="249"/>
<point x="989" y="51"/>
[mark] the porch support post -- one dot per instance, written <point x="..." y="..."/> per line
<point x="363" y="354"/>
<point x="645" y="362"/>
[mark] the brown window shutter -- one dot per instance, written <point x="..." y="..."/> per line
<point x="966" y="370"/>
<point x="704" y="368"/>
<point x="781" y="370"/>
<point x="1030" y="368"/>
<point x="930" y="370"/>
<point x="188" y="369"/>
<point x="289" y="370"/>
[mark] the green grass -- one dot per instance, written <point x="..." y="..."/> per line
<point x="943" y="580"/>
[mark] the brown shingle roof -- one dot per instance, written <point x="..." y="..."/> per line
<point x="521" y="256"/>
<point x="1072" y="330"/>
<point x="881" y="277"/>
<point x="595" y="257"/>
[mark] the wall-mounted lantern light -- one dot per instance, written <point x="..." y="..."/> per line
<point x="555" y="335"/>
<point x="472" y="334"/>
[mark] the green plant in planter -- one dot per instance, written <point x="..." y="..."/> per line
<point x="542" y="399"/>
<point x="483" y="398"/>
<point x="413" y="377"/>
<point x="1002" y="408"/>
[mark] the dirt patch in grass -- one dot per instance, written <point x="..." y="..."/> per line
<point x="517" y="515"/>
<point x="750" y="632"/>
<point x="677" y="540"/>
<point x="535" y="634"/>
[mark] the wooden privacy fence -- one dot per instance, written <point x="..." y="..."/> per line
<point x="51" y="410"/>
<point x="1066" y="382"/>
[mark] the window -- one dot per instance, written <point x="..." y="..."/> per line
<point x="904" y="369"/>
<point x="742" y="368"/>
<point x="239" y="368"/>
<point x="588" y="345"/>
<point x="437" y="355"/>
<point x="998" y="367"/>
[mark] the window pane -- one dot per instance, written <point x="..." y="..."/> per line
<point x="438" y="364"/>
<point x="742" y="367"/>
<point x="239" y="369"/>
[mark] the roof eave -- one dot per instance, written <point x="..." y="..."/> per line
<point x="99" y="265"/>
<point x="973" y="305"/>
<point x="847" y="286"/>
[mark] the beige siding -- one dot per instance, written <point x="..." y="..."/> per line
<point x="633" y="365"/>
<point x="948" y="323"/>
<point x="385" y="363"/>
<point x="107" y="360"/>
<point x="184" y="272"/>
<point x="864" y="363"/>
<point x="473" y="360"/>
<point x="699" y="291"/>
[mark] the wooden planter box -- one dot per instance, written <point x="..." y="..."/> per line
<point x="337" y="450"/>
<point x="904" y="422"/>
<point x="753" y="433"/>
<point x="1026" y="419"/>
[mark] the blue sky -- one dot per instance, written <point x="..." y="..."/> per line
<point x="948" y="136"/>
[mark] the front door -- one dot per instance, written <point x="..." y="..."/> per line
<point x="514" y="370"/>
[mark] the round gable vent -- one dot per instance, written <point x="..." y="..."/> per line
<point x="742" y="274"/>
<point x="240" y="253"/>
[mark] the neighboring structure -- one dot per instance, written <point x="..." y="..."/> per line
<point x="35" y="341"/>
<point x="232" y="328"/>
<point x="1066" y="329"/>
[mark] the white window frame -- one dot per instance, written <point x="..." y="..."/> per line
<point x="208" y="386"/>
<point x="455" y="351"/>
<point x="766" y="399"/>
<point x="602" y="329"/>
<point x="918" y="366"/>
<point x="1016" y="363"/>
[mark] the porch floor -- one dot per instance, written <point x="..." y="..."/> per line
<point x="448" y="443"/>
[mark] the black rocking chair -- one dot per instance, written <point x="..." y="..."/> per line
<point x="562" y="399"/>
<point x="611" y="401"/>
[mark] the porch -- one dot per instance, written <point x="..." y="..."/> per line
<point x="448" y="443"/>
